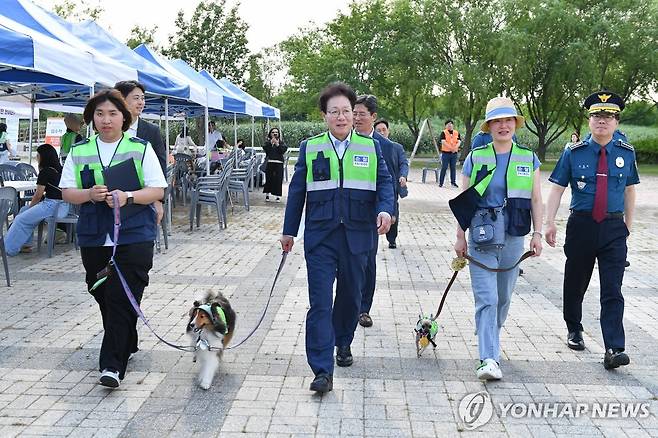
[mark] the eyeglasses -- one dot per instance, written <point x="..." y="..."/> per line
<point x="337" y="113"/>
<point x="603" y="116"/>
<point x="361" y="114"/>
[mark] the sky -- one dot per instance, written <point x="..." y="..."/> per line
<point x="270" y="22"/>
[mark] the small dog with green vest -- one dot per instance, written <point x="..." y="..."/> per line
<point x="211" y="327"/>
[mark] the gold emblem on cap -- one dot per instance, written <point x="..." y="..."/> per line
<point x="604" y="97"/>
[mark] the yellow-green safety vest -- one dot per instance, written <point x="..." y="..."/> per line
<point x="359" y="163"/>
<point x="86" y="154"/>
<point x="520" y="170"/>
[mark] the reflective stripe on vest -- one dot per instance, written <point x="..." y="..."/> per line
<point x="359" y="164"/>
<point x="452" y="141"/>
<point x="86" y="154"/>
<point x="520" y="170"/>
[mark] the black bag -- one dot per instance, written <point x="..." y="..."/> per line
<point x="263" y="166"/>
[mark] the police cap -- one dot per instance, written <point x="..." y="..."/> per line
<point x="604" y="101"/>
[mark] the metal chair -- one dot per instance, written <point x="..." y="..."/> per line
<point x="9" y="173"/>
<point x="7" y="200"/>
<point x="431" y="169"/>
<point x="71" y="220"/>
<point x="211" y="190"/>
<point x="240" y="180"/>
<point x="26" y="171"/>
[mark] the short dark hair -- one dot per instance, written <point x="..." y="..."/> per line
<point x="126" y="87"/>
<point x="369" y="101"/>
<point x="48" y="157"/>
<point x="336" y="89"/>
<point x="212" y="123"/>
<point x="3" y="127"/>
<point x="448" y="121"/>
<point x="113" y="96"/>
<point x="379" y="121"/>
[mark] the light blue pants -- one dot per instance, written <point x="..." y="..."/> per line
<point x="493" y="292"/>
<point x="22" y="228"/>
<point x="4" y="157"/>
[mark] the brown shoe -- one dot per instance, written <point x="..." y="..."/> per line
<point x="365" y="320"/>
<point x="26" y="249"/>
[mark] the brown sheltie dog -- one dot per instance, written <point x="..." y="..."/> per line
<point x="211" y="327"/>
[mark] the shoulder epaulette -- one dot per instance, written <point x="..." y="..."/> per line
<point x="625" y="145"/>
<point x="139" y="140"/>
<point x="577" y="145"/>
<point x="81" y="142"/>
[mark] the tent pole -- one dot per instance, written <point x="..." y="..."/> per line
<point x="31" y="125"/>
<point x="252" y="131"/>
<point x="167" y="128"/>
<point x="235" y="137"/>
<point x="207" y="117"/>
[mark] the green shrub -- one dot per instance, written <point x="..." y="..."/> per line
<point x="646" y="150"/>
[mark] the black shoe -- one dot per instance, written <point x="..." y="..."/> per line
<point x="455" y="185"/>
<point x="392" y="245"/>
<point x="365" y="320"/>
<point x="344" y="356"/>
<point x="520" y="271"/>
<point x="575" y="341"/>
<point x="615" y="358"/>
<point x="627" y="264"/>
<point x="440" y="185"/>
<point x="322" y="383"/>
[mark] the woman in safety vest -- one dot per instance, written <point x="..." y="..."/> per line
<point x="83" y="182"/>
<point x="506" y="176"/>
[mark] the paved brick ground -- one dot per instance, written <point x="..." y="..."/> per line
<point x="50" y="333"/>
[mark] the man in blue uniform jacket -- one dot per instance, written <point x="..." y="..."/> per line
<point x="343" y="180"/>
<point x="602" y="173"/>
<point x="365" y="114"/>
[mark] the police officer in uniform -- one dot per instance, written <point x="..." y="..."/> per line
<point x="602" y="173"/>
<point x="342" y="178"/>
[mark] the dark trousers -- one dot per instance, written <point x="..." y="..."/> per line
<point x="448" y="159"/>
<point x="119" y="317"/>
<point x="370" y="283"/>
<point x="393" y="231"/>
<point x="330" y="325"/>
<point x="605" y="242"/>
<point x="273" y="178"/>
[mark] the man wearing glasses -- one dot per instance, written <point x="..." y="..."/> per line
<point x="342" y="178"/>
<point x="602" y="173"/>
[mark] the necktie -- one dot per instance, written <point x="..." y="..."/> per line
<point x="601" y="197"/>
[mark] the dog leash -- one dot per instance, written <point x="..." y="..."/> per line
<point x="284" y="255"/>
<point x="135" y="304"/>
<point x="459" y="262"/>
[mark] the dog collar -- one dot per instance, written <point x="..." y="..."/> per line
<point x="207" y="308"/>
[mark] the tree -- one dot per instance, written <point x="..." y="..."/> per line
<point x="542" y="74"/>
<point x="469" y="43"/>
<point x="213" y="39"/>
<point x="78" y="11"/>
<point x="142" y="35"/>
<point x="256" y="84"/>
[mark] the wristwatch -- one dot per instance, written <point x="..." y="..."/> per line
<point x="130" y="199"/>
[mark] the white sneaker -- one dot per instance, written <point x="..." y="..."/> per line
<point x="489" y="370"/>
<point x="278" y="199"/>
<point x="109" y="378"/>
<point x="267" y="199"/>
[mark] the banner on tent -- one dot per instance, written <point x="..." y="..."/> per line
<point x="16" y="109"/>
<point x="55" y="128"/>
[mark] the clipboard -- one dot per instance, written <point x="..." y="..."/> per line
<point x="123" y="176"/>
